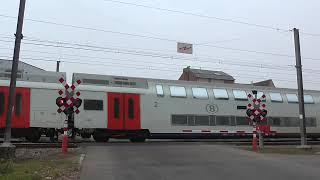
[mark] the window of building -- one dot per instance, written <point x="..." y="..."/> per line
<point x="276" y="97"/>
<point x="179" y="120"/>
<point x="96" y="105"/>
<point x="18" y="105"/>
<point x="292" y="98"/>
<point x="222" y="120"/>
<point x="1" y="103"/>
<point x="178" y="91"/>
<point x="220" y="94"/>
<point x="308" y="99"/>
<point x="202" y="120"/>
<point x="242" y="121"/>
<point x="159" y="90"/>
<point x="240" y="95"/>
<point x="200" y="93"/>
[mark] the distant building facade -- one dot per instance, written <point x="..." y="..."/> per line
<point x="6" y="65"/>
<point x="200" y="75"/>
<point x="268" y="83"/>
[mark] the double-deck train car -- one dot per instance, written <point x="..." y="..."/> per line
<point x="35" y="111"/>
<point x="140" y="108"/>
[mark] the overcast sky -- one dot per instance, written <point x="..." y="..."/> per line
<point x="218" y="44"/>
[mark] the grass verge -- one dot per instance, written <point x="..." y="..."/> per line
<point x="51" y="167"/>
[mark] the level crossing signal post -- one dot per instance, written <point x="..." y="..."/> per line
<point x="257" y="113"/>
<point x="68" y="102"/>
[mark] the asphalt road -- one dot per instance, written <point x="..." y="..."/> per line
<point x="184" y="161"/>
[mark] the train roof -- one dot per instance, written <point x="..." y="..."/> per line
<point x="138" y="82"/>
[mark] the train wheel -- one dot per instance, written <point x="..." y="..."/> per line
<point x="85" y="135"/>
<point x="100" y="138"/>
<point x="134" y="140"/>
<point x="33" y="135"/>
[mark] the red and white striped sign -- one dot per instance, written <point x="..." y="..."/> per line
<point x="70" y="96"/>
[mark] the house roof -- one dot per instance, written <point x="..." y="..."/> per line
<point x="220" y="75"/>
<point x="7" y="64"/>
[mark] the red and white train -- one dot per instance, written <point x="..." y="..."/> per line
<point x="140" y="108"/>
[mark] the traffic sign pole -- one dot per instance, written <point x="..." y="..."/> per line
<point x="69" y="103"/>
<point x="256" y="114"/>
<point x="65" y="138"/>
<point x="254" y="139"/>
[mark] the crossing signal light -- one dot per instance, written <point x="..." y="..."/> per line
<point x="264" y="113"/>
<point x="77" y="102"/>
<point x="249" y="112"/>
<point x="60" y="101"/>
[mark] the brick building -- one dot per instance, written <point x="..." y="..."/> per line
<point x="200" y="75"/>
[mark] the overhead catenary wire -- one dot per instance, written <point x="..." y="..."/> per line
<point x="142" y="53"/>
<point x="152" y="68"/>
<point x="159" y="38"/>
<point x="200" y="15"/>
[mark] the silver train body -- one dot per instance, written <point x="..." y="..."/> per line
<point x="140" y="108"/>
<point x="180" y="109"/>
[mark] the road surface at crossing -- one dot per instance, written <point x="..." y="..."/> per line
<point x="183" y="161"/>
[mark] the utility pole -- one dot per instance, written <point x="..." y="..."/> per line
<point x="58" y="66"/>
<point x="7" y="149"/>
<point x="300" y="89"/>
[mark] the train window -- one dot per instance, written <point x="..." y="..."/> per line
<point x="232" y="121"/>
<point x="259" y="95"/>
<point x="311" y="122"/>
<point x="116" y="106"/>
<point x="191" y="120"/>
<point x="242" y="121"/>
<point x="202" y="120"/>
<point x="292" y="98"/>
<point x="222" y="120"/>
<point x="180" y="120"/>
<point x="200" y="93"/>
<point x="95" y="81"/>
<point x="308" y="99"/>
<point x="276" y="97"/>
<point x="212" y="120"/>
<point x="178" y="91"/>
<point x="274" y="121"/>
<point x="220" y="94"/>
<point x="18" y="105"/>
<point x="290" y="122"/>
<point x="90" y="104"/>
<point x="131" y="108"/>
<point x="1" y="103"/>
<point x="159" y="90"/>
<point x="240" y="95"/>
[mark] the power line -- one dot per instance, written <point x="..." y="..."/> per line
<point x="154" y="68"/>
<point x="148" y="54"/>
<point x="158" y="38"/>
<point x="142" y="53"/>
<point x="210" y="17"/>
<point x="200" y="15"/>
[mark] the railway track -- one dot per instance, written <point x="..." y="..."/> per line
<point x="42" y="145"/>
<point x="237" y="142"/>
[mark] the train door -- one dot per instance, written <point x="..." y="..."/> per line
<point x="21" y="114"/>
<point x="124" y="111"/>
<point x="3" y="105"/>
